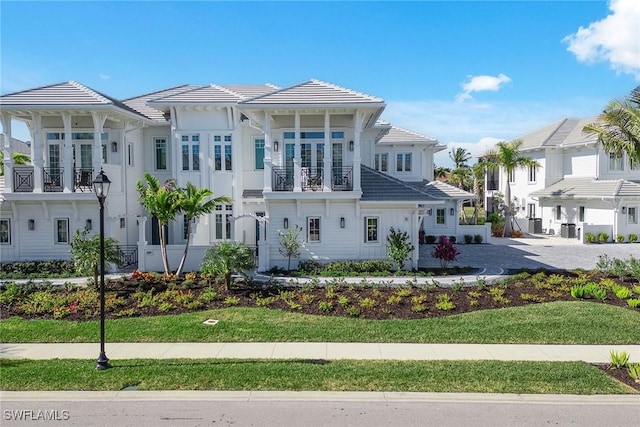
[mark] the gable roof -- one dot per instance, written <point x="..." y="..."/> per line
<point x="589" y="188"/>
<point x="251" y="91"/>
<point x="313" y="92"/>
<point x="139" y="103"/>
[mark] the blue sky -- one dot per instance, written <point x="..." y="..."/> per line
<point x="466" y="73"/>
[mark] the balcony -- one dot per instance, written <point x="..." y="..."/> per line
<point x="311" y="179"/>
<point x="52" y="179"/>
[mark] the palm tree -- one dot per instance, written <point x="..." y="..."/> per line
<point x="460" y="157"/>
<point x="459" y="177"/>
<point x="18" y="159"/>
<point x="85" y="253"/>
<point x="193" y="203"/>
<point x="162" y="202"/>
<point x="507" y="156"/>
<point x="618" y="128"/>
<point x="477" y="171"/>
<point x="440" y="173"/>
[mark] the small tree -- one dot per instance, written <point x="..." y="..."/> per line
<point x="85" y="253"/>
<point x="224" y="258"/>
<point x="445" y="251"/>
<point x="399" y="247"/>
<point x="290" y="244"/>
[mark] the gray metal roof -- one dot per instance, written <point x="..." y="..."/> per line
<point x="313" y="92"/>
<point x="139" y="103"/>
<point x="562" y="133"/>
<point x="211" y="94"/>
<point x="398" y="136"/>
<point x="378" y="186"/>
<point x="442" y="190"/>
<point x="251" y="91"/>
<point x="577" y="136"/>
<point x="589" y="188"/>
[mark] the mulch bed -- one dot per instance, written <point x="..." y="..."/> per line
<point x="620" y="375"/>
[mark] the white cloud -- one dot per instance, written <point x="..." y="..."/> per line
<point x="478" y="126"/>
<point x="481" y="84"/>
<point x="104" y="76"/>
<point x="614" y="39"/>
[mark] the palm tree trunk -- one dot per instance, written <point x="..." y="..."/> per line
<point x="163" y="250"/>
<point x="186" y="250"/>
<point x="507" y="214"/>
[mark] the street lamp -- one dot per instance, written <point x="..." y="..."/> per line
<point x="101" y="188"/>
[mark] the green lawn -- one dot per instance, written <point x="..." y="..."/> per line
<point x="575" y="322"/>
<point x="342" y="375"/>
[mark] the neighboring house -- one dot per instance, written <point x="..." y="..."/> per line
<point x="315" y="155"/>
<point x="578" y="188"/>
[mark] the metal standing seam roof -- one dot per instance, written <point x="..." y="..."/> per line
<point x="589" y="188"/>
<point x="139" y="103"/>
<point x="378" y="186"/>
<point x="313" y="92"/>
<point x="400" y="136"/>
<point x="251" y="91"/>
<point x="577" y="136"/>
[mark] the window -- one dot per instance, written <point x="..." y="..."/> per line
<point x="313" y="229"/>
<point x="218" y="150"/>
<point x="403" y="162"/>
<point x="581" y="214"/>
<point x="558" y="212"/>
<point x="161" y="153"/>
<point x="123" y="222"/>
<point x="615" y="161"/>
<point x="371" y="229"/>
<point x="129" y="154"/>
<point x="634" y="165"/>
<point x="532" y="174"/>
<point x="632" y="215"/>
<point x="512" y="176"/>
<point x="62" y="230"/>
<point x="258" y="145"/>
<point x="382" y="162"/>
<point x="224" y="218"/>
<point x="305" y="155"/>
<point x="5" y="231"/>
<point x="532" y="210"/>
<point x="440" y="215"/>
<point x="190" y="152"/>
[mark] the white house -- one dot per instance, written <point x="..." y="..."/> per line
<point x="313" y="155"/>
<point x="578" y="188"/>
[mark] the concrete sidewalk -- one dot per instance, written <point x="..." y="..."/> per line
<point x="320" y="350"/>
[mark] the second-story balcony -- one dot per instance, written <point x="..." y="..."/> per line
<point x="52" y="179"/>
<point x="312" y="179"/>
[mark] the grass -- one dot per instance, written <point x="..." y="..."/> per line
<point x="320" y="375"/>
<point x="575" y="322"/>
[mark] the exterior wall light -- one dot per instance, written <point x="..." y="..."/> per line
<point x="452" y="211"/>
<point x="114" y="147"/>
<point x="275" y="146"/>
<point x="286" y="223"/>
<point x="430" y="211"/>
<point x="32" y="224"/>
<point x="341" y="222"/>
<point x="350" y="145"/>
<point x="88" y="224"/>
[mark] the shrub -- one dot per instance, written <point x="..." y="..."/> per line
<point x="477" y="239"/>
<point x="516" y="233"/>
<point x="444" y="302"/>
<point x="634" y="303"/>
<point x="223" y="258"/>
<point x="430" y="239"/>
<point x="445" y="251"/>
<point x="623" y="292"/>
<point x="603" y="237"/>
<point x="619" y="359"/>
<point x="399" y="247"/>
<point x="634" y="371"/>
<point x="589" y="237"/>
<point x="468" y="238"/>
<point x="633" y="238"/>
<point x="619" y="238"/>
<point x="310" y="266"/>
<point x="452" y="239"/>
<point x="326" y="306"/>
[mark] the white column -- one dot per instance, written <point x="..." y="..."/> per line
<point x="67" y="159"/>
<point x="357" y="160"/>
<point x="5" y="118"/>
<point x="326" y="170"/>
<point x="174" y="148"/>
<point x="98" y="126"/>
<point x="37" y="151"/>
<point x="297" y="170"/>
<point x="268" y="165"/>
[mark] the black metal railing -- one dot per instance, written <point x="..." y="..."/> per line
<point x="342" y="179"/>
<point x="311" y="179"/>
<point x="53" y="179"/>
<point x="128" y="256"/>
<point x="282" y="179"/>
<point x="83" y="179"/>
<point x="23" y="179"/>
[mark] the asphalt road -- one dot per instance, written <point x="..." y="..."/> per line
<point x="321" y="409"/>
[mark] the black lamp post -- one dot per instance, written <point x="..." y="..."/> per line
<point x="101" y="188"/>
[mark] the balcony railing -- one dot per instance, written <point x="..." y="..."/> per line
<point x="53" y="179"/>
<point x="83" y="179"/>
<point x="311" y="179"/>
<point x="23" y="179"/>
<point x="128" y="256"/>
